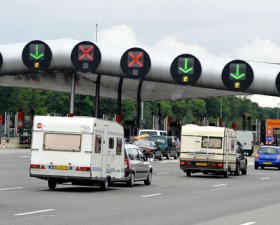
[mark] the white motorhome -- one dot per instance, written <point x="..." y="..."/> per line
<point x="208" y="149"/>
<point x="152" y="132"/>
<point x="246" y="138"/>
<point x="79" y="150"/>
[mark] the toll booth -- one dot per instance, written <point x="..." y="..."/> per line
<point x="130" y="129"/>
<point x="175" y="129"/>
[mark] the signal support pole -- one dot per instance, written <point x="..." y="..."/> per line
<point x="72" y="99"/>
<point x="97" y="95"/>
<point x="139" y="102"/>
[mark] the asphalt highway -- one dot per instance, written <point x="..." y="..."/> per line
<point x="172" y="198"/>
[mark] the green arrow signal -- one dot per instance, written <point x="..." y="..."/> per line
<point x="237" y="76"/>
<point x="36" y="56"/>
<point x="185" y="69"/>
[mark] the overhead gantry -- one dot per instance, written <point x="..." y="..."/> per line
<point x="95" y="69"/>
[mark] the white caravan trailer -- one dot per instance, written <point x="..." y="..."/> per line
<point x="80" y="150"/>
<point x="208" y="149"/>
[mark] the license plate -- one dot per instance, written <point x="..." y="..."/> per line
<point x="267" y="163"/>
<point x="201" y="164"/>
<point x="60" y="167"/>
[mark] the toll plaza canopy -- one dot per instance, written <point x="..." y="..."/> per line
<point x="158" y="75"/>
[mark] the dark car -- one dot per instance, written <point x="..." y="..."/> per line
<point x="149" y="148"/>
<point x="241" y="160"/>
<point x="166" y="145"/>
<point x="137" y="167"/>
<point x="267" y="156"/>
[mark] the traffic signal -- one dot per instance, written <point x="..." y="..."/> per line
<point x="135" y="63"/>
<point x="37" y="56"/>
<point x="86" y="57"/>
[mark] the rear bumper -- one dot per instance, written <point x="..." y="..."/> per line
<point x="60" y="177"/>
<point x="165" y="153"/>
<point x="200" y="166"/>
<point x="267" y="163"/>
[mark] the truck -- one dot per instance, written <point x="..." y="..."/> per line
<point x="77" y="150"/>
<point x="209" y="149"/>
<point x="246" y="138"/>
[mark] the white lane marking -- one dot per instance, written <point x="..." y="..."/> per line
<point x="249" y="223"/>
<point x="28" y="218"/>
<point x="146" y="196"/>
<point x="12" y="188"/>
<point x="265" y="178"/>
<point x="163" y="173"/>
<point x="34" y="212"/>
<point x="219" y="185"/>
<point x="24" y="156"/>
<point x="205" y="191"/>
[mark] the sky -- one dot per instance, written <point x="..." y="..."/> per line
<point x="236" y="29"/>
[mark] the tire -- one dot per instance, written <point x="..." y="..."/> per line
<point x="104" y="185"/>
<point x="161" y="157"/>
<point x="148" y="181"/>
<point x="244" y="171"/>
<point x="256" y="167"/>
<point x="189" y="173"/>
<point x="262" y="167"/>
<point x="225" y="174"/>
<point x="131" y="181"/>
<point x="237" y="170"/>
<point x="168" y="155"/>
<point x="51" y="184"/>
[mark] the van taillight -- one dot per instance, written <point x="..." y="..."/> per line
<point x="257" y="155"/>
<point x="84" y="168"/>
<point x="126" y="164"/>
<point x="34" y="166"/>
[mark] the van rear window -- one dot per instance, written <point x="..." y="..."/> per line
<point x="62" y="142"/>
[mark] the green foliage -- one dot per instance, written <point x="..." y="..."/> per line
<point x="231" y="108"/>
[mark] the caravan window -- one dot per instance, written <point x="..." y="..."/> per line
<point x="232" y="145"/>
<point x="211" y="142"/>
<point x="62" y="142"/>
<point x="119" y="146"/>
<point x="111" y="143"/>
<point x="98" y="141"/>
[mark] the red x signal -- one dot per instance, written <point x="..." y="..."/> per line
<point x="135" y="60"/>
<point x="85" y="53"/>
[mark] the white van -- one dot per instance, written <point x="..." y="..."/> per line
<point x="208" y="149"/>
<point x="246" y="138"/>
<point x="152" y="132"/>
<point x="80" y="150"/>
